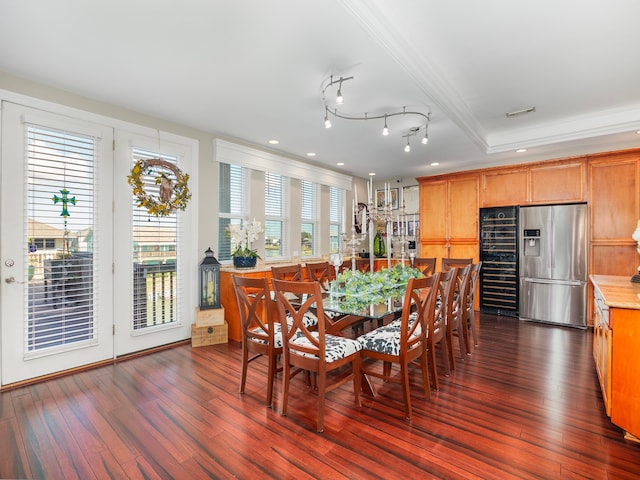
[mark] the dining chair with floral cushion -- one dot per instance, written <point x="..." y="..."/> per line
<point x="404" y="341"/>
<point x="458" y="316"/>
<point x="294" y="273"/>
<point x="314" y="351"/>
<point x="261" y="331"/>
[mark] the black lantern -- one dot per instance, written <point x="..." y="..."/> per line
<point x="209" y="281"/>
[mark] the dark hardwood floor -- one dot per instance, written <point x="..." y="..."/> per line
<point x="525" y="405"/>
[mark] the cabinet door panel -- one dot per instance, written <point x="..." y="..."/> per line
<point x="613" y="260"/>
<point x="558" y="183"/>
<point x="433" y="200"/>
<point x="614" y="190"/>
<point x="504" y="188"/>
<point x="463" y="207"/>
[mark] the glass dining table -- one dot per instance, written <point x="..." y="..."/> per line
<point x="344" y="312"/>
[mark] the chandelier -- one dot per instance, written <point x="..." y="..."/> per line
<point x="422" y="129"/>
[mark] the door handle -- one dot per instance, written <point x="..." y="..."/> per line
<point x="11" y="280"/>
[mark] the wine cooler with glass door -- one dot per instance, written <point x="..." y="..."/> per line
<point x="499" y="255"/>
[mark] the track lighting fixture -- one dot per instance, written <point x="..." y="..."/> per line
<point x="332" y="109"/>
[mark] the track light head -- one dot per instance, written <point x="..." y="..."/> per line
<point x="407" y="147"/>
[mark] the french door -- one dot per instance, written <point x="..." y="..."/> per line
<point x="56" y="243"/>
<point x="85" y="275"/>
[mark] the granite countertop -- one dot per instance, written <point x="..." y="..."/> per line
<point x="617" y="291"/>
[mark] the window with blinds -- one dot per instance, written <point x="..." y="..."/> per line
<point x="336" y="201"/>
<point x="309" y="215"/>
<point x="232" y="200"/>
<point x="275" y="218"/>
<point x="155" y="276"/>
<point x="62" y="251"/>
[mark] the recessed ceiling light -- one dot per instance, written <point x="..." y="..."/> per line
<point x="371" y="174"/>
<point x="274" y="142"/>
<point x="521" y="150"/>
<point x="311" y="154"/>
<point x="340" y="164"/>
<point x="434" y="164"/>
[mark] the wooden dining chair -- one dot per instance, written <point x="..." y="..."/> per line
<point x="287" y="272"/>
<point x="470" y="305"/>
<point x="261" y="332"/>
<point x="447" y="299"/>
<point x="458" y="317"/>
<point x="314" y="351"/>
<point x="437" y="331"/>
<point x="448" y="263"/>
<point x="404" y="342"/>
<point x="320" y="272"/>
<point x="363" y="264"/>
<point x="427" y="265"/>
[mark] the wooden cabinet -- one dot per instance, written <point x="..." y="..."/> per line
<point x="503" y="187"/>
<point x="538" y="183"/>
<point x="602" y="347"/>
<point x="558" y="182"/>
<point x="615" y="349"/>
<point x="449" y="216"/>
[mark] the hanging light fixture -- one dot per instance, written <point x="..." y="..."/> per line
<point x="333" y="110"/>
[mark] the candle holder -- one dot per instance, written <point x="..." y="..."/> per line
<point x="336" y="261"/>
<point x="350" y="243"/>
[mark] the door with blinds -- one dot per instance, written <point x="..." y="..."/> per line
<point x="56" y="250"/>
<point x="156" y="267"/>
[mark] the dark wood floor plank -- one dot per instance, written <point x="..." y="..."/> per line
<point x="13" y="459"/>
<point x="526" y="404"/>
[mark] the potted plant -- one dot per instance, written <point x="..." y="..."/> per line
<point x="242" y="235"/>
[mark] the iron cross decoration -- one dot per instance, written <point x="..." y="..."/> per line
<point x="65" y="200"/>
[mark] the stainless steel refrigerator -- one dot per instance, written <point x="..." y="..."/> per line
<point x="553" y="264"/>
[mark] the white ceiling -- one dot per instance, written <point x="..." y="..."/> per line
<point x="253" y="70"/>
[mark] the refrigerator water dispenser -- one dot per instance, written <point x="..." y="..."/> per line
<point x="531" y="242"/>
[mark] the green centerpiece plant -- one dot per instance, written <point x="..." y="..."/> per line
<point x="360" y="289"/>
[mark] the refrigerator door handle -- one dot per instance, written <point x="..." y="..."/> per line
<point x="551" y="244"/>
<point x="553" y="282"/>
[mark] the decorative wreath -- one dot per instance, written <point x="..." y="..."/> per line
<point x="171" y="196"/>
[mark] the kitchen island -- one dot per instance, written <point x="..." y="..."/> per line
<point x="616" y="349"/>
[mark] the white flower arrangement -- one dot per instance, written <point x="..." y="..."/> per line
<point x="243" y="235"/>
